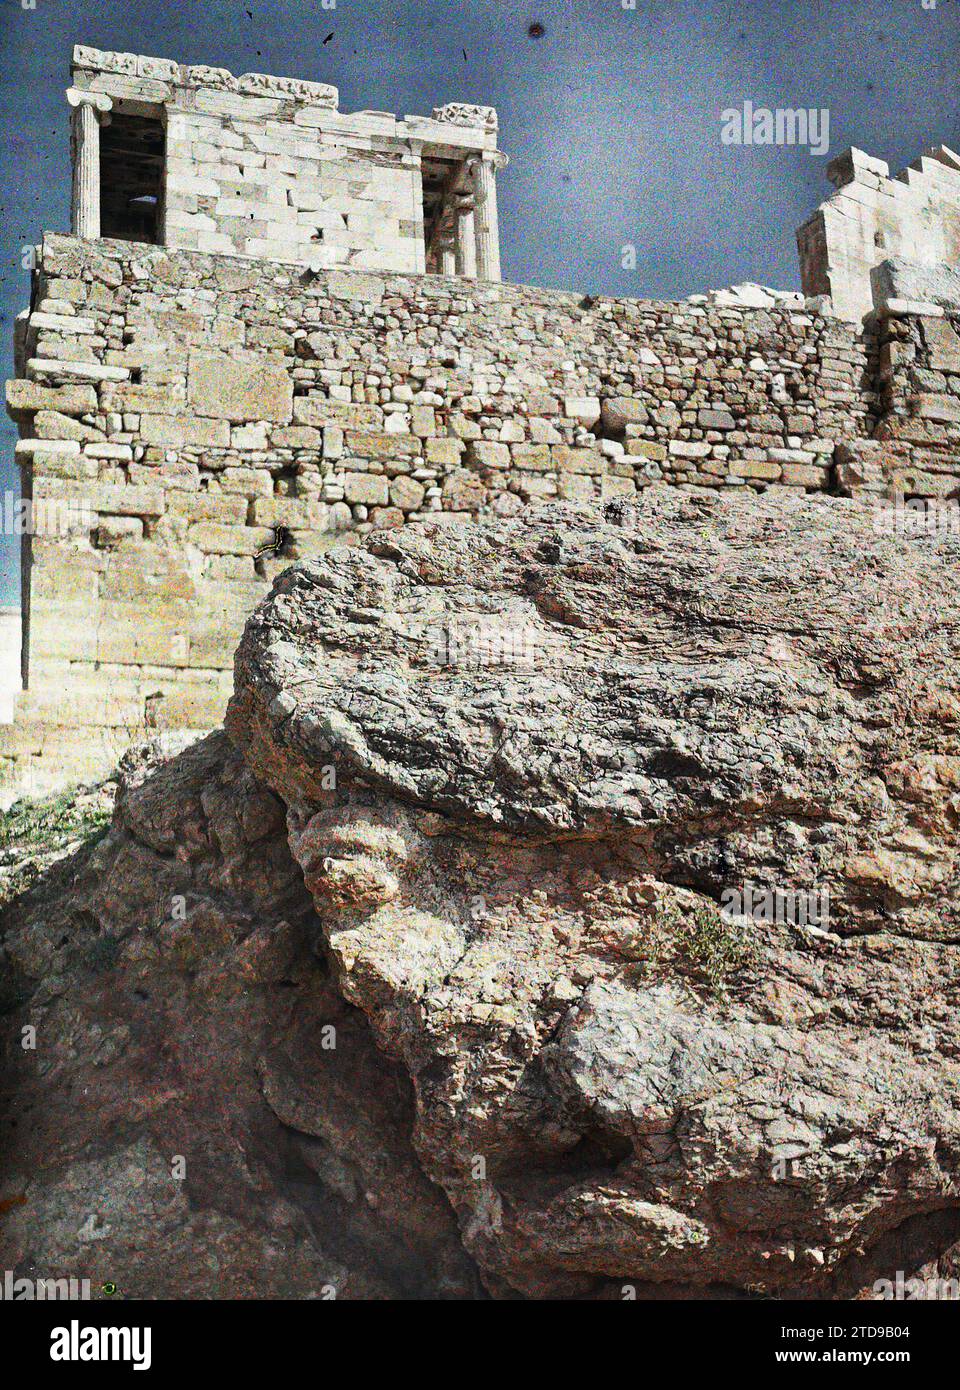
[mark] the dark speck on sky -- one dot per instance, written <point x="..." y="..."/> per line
<point x="536" y="31"/>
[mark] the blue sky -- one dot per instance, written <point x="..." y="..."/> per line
<point x="611" y="118"/>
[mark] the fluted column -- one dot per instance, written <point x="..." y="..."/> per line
<point x="483" y="171"/>
<point x="447" y="256"/>
<point x="88" y="109"/>
<point x="466" y="255"/>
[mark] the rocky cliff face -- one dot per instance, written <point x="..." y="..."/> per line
<point x="621" y="852"/>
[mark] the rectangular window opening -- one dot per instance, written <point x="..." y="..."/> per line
<point x="131" y="178"/>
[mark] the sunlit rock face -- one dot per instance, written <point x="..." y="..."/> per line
<point x="571" y="912"/>
<point x="634" y="837"/>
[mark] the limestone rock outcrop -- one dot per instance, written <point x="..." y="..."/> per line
<point x="531" y="812"/>
<point x="200" y="1115"/>
<point x="559" y="745"/>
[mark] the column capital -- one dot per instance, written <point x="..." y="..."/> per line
<point x="494" y="160"/>
<point x="77" y="96"/>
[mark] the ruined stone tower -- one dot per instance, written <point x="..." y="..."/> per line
<point x="913" y="221"/>
<point x="277" y="327"/>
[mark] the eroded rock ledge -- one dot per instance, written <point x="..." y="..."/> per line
<point x="557" y="744"/>
<point x="487" y="791"/>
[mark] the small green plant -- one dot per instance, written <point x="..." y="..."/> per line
<point x="713" y="946"/>
<point x="35" y="834"/>
<point x="70" y="815"/>
<point x="690" y="937"/>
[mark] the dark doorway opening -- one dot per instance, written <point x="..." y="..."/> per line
<point x="131" y="178"/>
<point x="440" y="178"/>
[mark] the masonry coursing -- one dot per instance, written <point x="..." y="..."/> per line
<point x="915" y="448"/>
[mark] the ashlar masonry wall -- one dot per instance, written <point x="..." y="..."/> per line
<point x="197" y="411"/>
<point x="268" y="167"/>
<point x="872" y="217"/>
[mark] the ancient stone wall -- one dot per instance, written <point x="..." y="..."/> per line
<point x="209" y="420"/>
<point x="915" y="450"/>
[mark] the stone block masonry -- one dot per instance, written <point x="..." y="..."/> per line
<point x="214" y="419"/>
<point x="915" y="449"/>
<point x="196" y="158"/>
<point x="872" y="218"/>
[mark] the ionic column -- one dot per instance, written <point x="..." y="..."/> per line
<point x="88" y="107"/>
<point x="483" y="170"/>
<point x="466" y="254"/>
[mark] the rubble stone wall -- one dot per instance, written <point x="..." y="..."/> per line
<point x="196" y="411"/>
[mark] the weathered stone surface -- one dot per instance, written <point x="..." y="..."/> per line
<point x="559" y="745"/>
<point x="620" y="412"/>
<point x="943" y="345"/>
<point x="181" y="1010"/>
<point x="938" y="406"/>
<point x="927" y="283"/>
<point x="228" y="388"/>
<point x="366" y="488"/>
<point x="514" y="771"/>
<point x="24" y="396"/>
